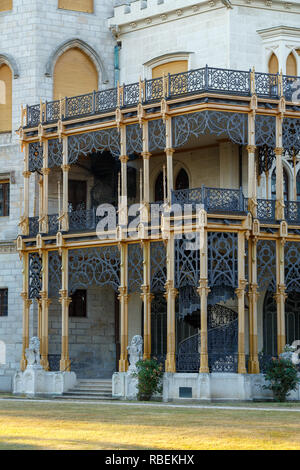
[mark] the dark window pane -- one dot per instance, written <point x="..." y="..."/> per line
<point x="4" y="199"/>
<point x="3" y="302"/>
<point x="78" y="305"/>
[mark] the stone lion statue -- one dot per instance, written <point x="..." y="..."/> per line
<point x="135" y="352"/>
<point x="33" y="352"/>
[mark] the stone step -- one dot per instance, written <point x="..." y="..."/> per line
<point x="91" y="389"/>
<point x="87" y="392"/>
<point x="65" y="396"/>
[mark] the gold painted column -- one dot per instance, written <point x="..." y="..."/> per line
<point x="171" y="293"/>
<point x="24" y="222"/>
<point x="45" y="309"/>
<point x="123" y="160"/>
<point x="169" y="154"/>
<point x="123" y="298"/>
<point x="253" y="366"/>
<point x="45" y="189"/>
<point x="64" y="216"/>
<point x="252" y="181"/>
<point x="203" y="292"/>
<point x="147" y="298"/>
<point x="65" y="364"/>
<point x="41" y="203"/>
<point x="280" y="295"/>
<point x="240" y="292"/>
<point x="39" y="329"/>
<point x="26" y="308"/>
<point x="279" y="170"/>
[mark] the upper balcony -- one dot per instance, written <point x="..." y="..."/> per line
<point x="187" y="84"/>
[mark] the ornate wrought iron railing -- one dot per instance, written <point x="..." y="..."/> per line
<point x="266" y="210"/>
<point x="33" y="226"/>
<point x="214" y="199"/>
<point x="206" y="79"/>
<point x="292" y="212"/>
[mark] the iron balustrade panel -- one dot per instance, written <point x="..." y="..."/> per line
<point x="188" y="356"/>
<point x="33" y="226"/>
<point x="266" y="210"/>
<point x="289" y="86"/>
<point x="54" y="362"/>
<point x="131" y="94"/>
<point x="33" y="115"/>
<point x="224" y="200"/>
<point x="106" y="100"/>
<point x="52" y="111"/>
<point x="292" y="212"/>
<point x="82" y="219"/>
<point x="266" y="85"/>
<point x="82" y="105"/>
<point x="236" y="82"/>
<point x="53" y="224"/>
<point x="223" y="362"/>
<point x="188" y="196"/>
<point x="186" y="83"/>
<point x="154" y="90"/>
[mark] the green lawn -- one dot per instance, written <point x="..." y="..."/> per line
<point x="35" y="425"/>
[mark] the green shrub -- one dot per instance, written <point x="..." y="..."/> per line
<point x="282" y="377"/>
<point x="149" y="374"/>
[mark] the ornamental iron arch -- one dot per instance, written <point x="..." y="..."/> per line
<point x="158" y="267"/>
<point x="35" y="275"/>
<point x="265" y="130"/>
<point x="89" y="142"/>
<point x="55" y="274"/>
<point x="292" y="267"/>
<point x="35" y="156"/>
<point x="266" y="265"/>
<point x="99" y="266"/>
<point x="218" y="123"/>
<point x="135" y="267"/>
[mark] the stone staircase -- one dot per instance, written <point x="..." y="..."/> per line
<point x="90" y="389"/>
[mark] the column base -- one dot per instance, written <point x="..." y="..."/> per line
<point x="65" y="365"/>
<point x="241" y="364"/>
<point x="45" y="363"/>
<point x="23" y="364"/>
<point x="170" y="364"/>
<point x="253" y="366"/>
<point x="204" y="369"/>
<point x="123" y="365"/>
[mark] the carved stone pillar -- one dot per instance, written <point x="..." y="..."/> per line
<point x="123" y="298"/>
<point x="65" y="301"/>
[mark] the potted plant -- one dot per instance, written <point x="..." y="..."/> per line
<point x="282" y="377"/>
<point x="149" y="374"/>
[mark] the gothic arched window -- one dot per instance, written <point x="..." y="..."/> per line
<point x="182" y="180"/>
<point x="5" y="98"/>
<point x="74" y="74"/>
<point x="285" y="184"/>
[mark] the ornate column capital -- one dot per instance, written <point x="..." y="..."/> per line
<point x="169" y="151"/>
<point x="45" y="171"/>
<point x="26" y="174"/>
<point x="253" y="292"/>
<point x="251" y="148"/>
<point x="65" y="167"/>
<point x="203" y="287"/>
<point x="240" y="291"/>
<point x="146" y="155"/>
<point x="123" y="159"/>
<point x="278" y="151"/>
<point x="170" y="289"/>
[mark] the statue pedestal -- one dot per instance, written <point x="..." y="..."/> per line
<point x="36" y="381"/>
<point x="124" y="385"/>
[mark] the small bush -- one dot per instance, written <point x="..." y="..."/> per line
<point x="149" y="374"/>
<point x="282" y="377"/>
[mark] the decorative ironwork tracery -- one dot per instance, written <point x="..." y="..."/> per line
<point x="55" y="153"/>
<point x="217" y="123"/>
<point x="292" y="266"/>
<point x="157" y="135"/>
<point x="158" y="269"/>
<point x="265" y="130"/>
<point x="84" y="144"/>
<point x="291" y="136"/>
<point x="135" y="267"/>
<point x="35" y="156"/>
<point x="55" y="274"/>
<point x="222" y="259"/>
<point x="266" y="157"/>
<point x="266" y="265"/>
<point x="134" y="139"/>
<point x="100" y="266"/>
<point x="187" y="264"/>
<point x="35" y="275"/>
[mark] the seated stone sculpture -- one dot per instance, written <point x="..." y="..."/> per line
<point x="135" y="352"/>
<point x="33" y="352"/>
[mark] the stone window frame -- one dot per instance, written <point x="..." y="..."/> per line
<point x="165" y="59"/>
<point x="6" y="197"/>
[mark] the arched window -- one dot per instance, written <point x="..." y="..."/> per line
<point x="159" y="188"/>
<point x="74" y="74"/>
<point x="86" y="6"/>
<point x="6" y="5"/>
<point x="177" y="66"/>
<point x="291" y="65"/>
<point x="285" y="184"/>
<point x="273" y="64"/>
<point x="182" y="180"/>
<point x="5" y="98"/>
